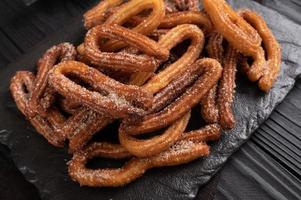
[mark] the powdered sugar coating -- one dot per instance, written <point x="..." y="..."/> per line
<point x="181" y="152"/>
<point x="44" y="125"/>
<point x="42" y="96"/>
<point x="209" y="108"/>
<point x="226" y="88"/>
<point x="117" y="99"/>
<point x="122" y="60"/>
<point x="209" y="70"/>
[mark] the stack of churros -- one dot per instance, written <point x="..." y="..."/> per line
<point x="126" y="69"/>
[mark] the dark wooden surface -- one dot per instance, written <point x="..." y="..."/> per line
<point x="267" y="167"/>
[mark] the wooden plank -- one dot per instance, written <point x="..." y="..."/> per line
<point x="253" y="174"/>
<point x="8" y="51"/>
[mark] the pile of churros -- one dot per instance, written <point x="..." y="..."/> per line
<point x="146" y="64"/>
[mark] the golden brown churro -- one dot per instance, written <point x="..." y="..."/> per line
<point x="170" y="40"/>
<point x="209" y="71"/>
<point x="122" y="60"/>
<point x="226" y="89"/>
<point x="21" y="86"/>
<point x="238" y="33"/>
<point x="107" y="94"/>
<point x="209" y="109"/>
<point x="42" y="95"/>
<point x="189" y="147"/>
<point x="271" y="46"/>
<point x="234" y="28"/>
<point x="217" y="105"/>
<point x="157" y="144"/>
<point x="130" y="9"/>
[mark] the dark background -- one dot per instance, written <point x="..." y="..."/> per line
<point x="268" y="166"/>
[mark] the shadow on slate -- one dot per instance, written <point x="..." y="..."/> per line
<point x="13" y="186"/>
<point x="45" y="166"/>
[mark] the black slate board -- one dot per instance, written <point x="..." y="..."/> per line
<point x="45" y="166"/>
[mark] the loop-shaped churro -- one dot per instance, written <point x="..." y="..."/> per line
<point x="157" y="144"/>
<point x="107" y="95"/>
<point x="241" y="35"/>
<point x="189" y="147"/>
<point x="122" y="60"/>
<point x="233" y="27"/>
<point x="217" y="104"/>
<point x="209" y="72"/>
<point x="170" y="40"/>
<point x="21" y="86"/>
<point x="130" y="9"/>
<point x="142" y="148"/>
<point x="42" y="96"/>
<point x="271" y="46"/>
<point x="156" y="83"/>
